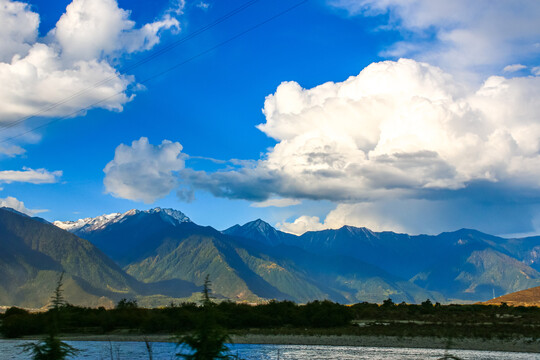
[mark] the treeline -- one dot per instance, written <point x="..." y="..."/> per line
<point x="285" y="317"/>
<point x="176" y="318"/>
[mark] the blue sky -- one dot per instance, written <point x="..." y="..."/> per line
<point x="447" y="137"/>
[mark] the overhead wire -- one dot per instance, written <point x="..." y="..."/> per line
<point x="135" y="65"/>
<point x="161" y="73"/>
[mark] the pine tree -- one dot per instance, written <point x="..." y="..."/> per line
<point x="57" y="300"/>
<point x="208" y="340"/>
<point x="52" y="348"/>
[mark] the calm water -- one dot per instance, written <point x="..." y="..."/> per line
<point x="165" y="351"/>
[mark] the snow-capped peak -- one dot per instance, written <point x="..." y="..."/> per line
<point x="88" y="224"/>
<point x="172" y="216"/>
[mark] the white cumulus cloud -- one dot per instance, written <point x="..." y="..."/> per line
<point x="90" y="29"/>
<point x="397" y="129"/>
<point x="18" y="30"/>
<point x="301" y="225"/>
<point x="73" y="67"/>
<point x="400" y="130"/>
<point x="144" y="172"/>
<point x="18" y="205"/>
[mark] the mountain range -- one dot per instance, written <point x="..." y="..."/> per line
<point x="160" y="255"/>
<point x="465" y="265"/>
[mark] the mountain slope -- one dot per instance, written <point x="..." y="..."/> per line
<point x="476" y="267"/>
<point x="242" y="272"/>
<point x="526" y="250"/>
<point x="34" y="254"/>
<point x="191" y="257"/>
<point x="398" y="254"/>
<point x="242" y="269"/>
<point x="254" y="261"/>
<point x="464" y="265"/>
<point x="478" y="276"/>
<point x="161" y="250"/>
<point x="340" y="278"/>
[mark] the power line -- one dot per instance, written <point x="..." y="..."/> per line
<point x="133" y="66"/>
<point x="161" y="73"/>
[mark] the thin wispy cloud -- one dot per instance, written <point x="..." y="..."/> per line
<point x="32" y="176"/>
<point x="514" y="68"/>
<point x="276" y="203"/>
<point x="479" y="37"/>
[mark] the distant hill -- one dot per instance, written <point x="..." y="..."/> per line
<point x="527" y="297"/>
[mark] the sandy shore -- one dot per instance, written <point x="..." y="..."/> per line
<point x="518" y="345"/>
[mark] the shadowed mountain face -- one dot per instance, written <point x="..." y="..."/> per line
<point x="132" y="233"/>
<point x="153" y="249"/>
<point x="35" y="253"/>
<point x="260" y="231"/>
<point x="166" y="256"/>
<point x="526" y="249"/>
<point x="465" y="265"/>
<point x="243" y="271"/>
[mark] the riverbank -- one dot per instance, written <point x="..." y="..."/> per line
<point x="512" y="345"/>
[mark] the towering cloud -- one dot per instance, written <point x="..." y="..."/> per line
<point x="397" y="129"/>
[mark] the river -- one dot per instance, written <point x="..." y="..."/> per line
<point x="101" y="350"/>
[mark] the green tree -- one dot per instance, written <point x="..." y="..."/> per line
<point x="52" y="348"/>
<point x="208" y="340"/>
<point x="125" y="304"/>
<point x="57" y="300"/>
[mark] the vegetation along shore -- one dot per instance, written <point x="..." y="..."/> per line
<point x="428" y="325"/>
